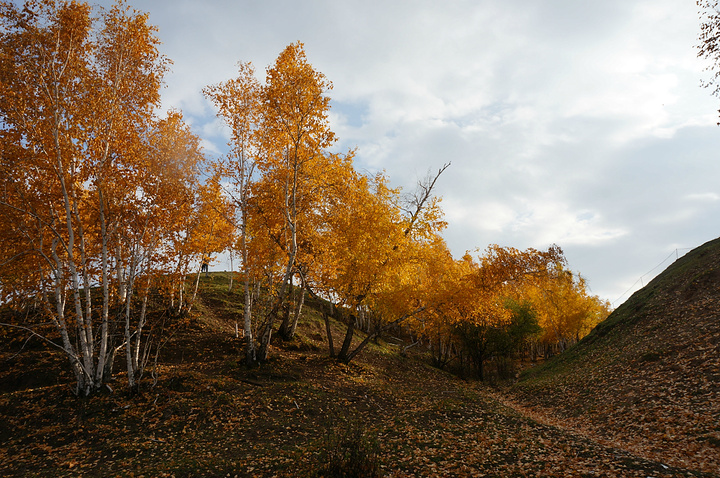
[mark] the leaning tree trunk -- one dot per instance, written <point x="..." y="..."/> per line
<point x="296" y="313"/>
<point x="344" y="354"/>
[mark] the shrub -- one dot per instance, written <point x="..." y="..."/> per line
<point x="349" y="453"/>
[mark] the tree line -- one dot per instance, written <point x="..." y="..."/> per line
<point x="111" y="207"/>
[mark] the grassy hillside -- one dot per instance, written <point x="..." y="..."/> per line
<point x="209" y="416"/>
<point x="648" y="378"/>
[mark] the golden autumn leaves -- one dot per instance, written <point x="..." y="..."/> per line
<point x="101" y="198"/>
<point x="319" y="225"/>
<point x="105" y="205"/>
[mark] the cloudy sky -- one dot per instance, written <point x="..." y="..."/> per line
<point x="576" y="123"/>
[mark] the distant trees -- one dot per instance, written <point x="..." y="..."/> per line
<point x="504" y="304"/>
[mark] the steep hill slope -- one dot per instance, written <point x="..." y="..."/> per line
<point x="648" y="378"/>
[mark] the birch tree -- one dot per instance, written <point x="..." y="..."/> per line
<point x="292" y="137"/>
<point x="74" y="101"/>
<point x="238" y="101"/>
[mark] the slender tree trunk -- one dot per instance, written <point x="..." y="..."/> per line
<point x="139" y="364"/>
<point x="344" y="351"/>
<point x="102" y="354"/>
<point x="290" y="321"/>
<point x="291" y="225"/>
<point x="120" y="274"/>
<point x="363" y="321"/>
<point x="266" y="336"/>
<point x="264" y="350"/>
<point x="195" y="289"/>
<point x="130" y="365"/>
<point x="250" y="357"/>
<point x="331" y="347"/>
<point x="85" y="349"/>
<point x="361" y="346"/>
<point x="297" y="312"/>
<point x="181" y="294"/>
<point x="58" y="318"/>
<point x="284" y="330"/>
<point x="109" y="360"/>
<point x="232" y="273"/>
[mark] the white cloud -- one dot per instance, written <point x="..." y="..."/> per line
<point x="577" y="123"/>
<point x="703" y="197"/>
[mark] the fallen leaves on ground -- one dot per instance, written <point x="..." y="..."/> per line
<point x="212" y="417"/>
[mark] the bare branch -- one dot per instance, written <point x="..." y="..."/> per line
<point x="421" y="196"/>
